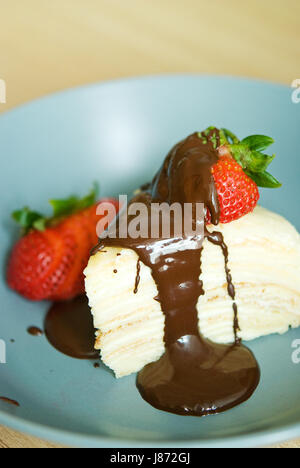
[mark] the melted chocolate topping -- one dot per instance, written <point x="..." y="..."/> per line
<point x="194" y="376"/>
<point x="35" y="331"/>
<point x="9" y="401"/>
<point x="69" y="328"/>
<point x="137" y="277"/>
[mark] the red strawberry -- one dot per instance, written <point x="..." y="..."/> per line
<point x="48" y="262"/>
<point x="241" y="168"/>
<point x="238" y="194"/>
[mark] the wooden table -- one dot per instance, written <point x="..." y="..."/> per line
<point x="51" y="45"/>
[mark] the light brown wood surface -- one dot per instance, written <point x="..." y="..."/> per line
<point x="49" y="45"/>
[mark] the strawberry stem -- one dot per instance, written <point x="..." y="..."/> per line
<point x="32" y="220"/>
<point x="249" y="154"/>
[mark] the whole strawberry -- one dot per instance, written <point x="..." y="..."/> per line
<point x="240" y="170"/>
<point x="48" y="261"/>
<point x="237" y="193"/>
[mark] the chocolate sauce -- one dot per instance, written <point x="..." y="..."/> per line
<point x="69" y="328"/>
<point x="35" y="331"/>
<point x="236" y="325"/>
<point x="137" y="277"/>
<point x="218" y="239"/>
<point x="195" y="376"/>
<point x="9" y="401"/>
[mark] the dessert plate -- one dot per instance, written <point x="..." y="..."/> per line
<point x="118" y="133"/>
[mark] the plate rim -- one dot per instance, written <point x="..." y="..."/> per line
<point x="263" y="437"/>
<point x="260" y="438"/>
<point x="129" y="79"/>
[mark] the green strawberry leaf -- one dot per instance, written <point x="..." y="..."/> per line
<point x="90" y="199"/>
<point x="241" y="153"/>
<point x="68" y="206"/>
<point x="230" y="137"/>
<point x="63" y="207"/>
<point x="259" y="161"/>
<point x="258" y="142"/>
<point x="249" y="154"/>
<point x="29" y="220"/>
<point x="40" y="224"/>
<point x="264" y="179"/>
<point x="253" y="161"/>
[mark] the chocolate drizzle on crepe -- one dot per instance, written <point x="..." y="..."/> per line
<point x="195" y="376"/>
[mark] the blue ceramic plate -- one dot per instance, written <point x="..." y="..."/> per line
<point x="118" y="133"/>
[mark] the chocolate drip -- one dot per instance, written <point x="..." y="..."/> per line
<point x="218" y="239"/>
<point x="194" y="376"/>
<point x="137" y="277"/>
<point x="9" y="401"/>
<point x="35" y="331"/>
<point x="236" y="325"/>
<point x="186" y="177"/>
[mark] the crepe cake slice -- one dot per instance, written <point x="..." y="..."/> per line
<point x="264" y="259"/>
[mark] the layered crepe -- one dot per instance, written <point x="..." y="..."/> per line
<point x="264" y="259"/>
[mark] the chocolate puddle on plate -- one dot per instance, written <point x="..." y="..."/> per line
<point x="195" y="376"/>
<point x="69" y="328"/>
<point x="35" y="331"/>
